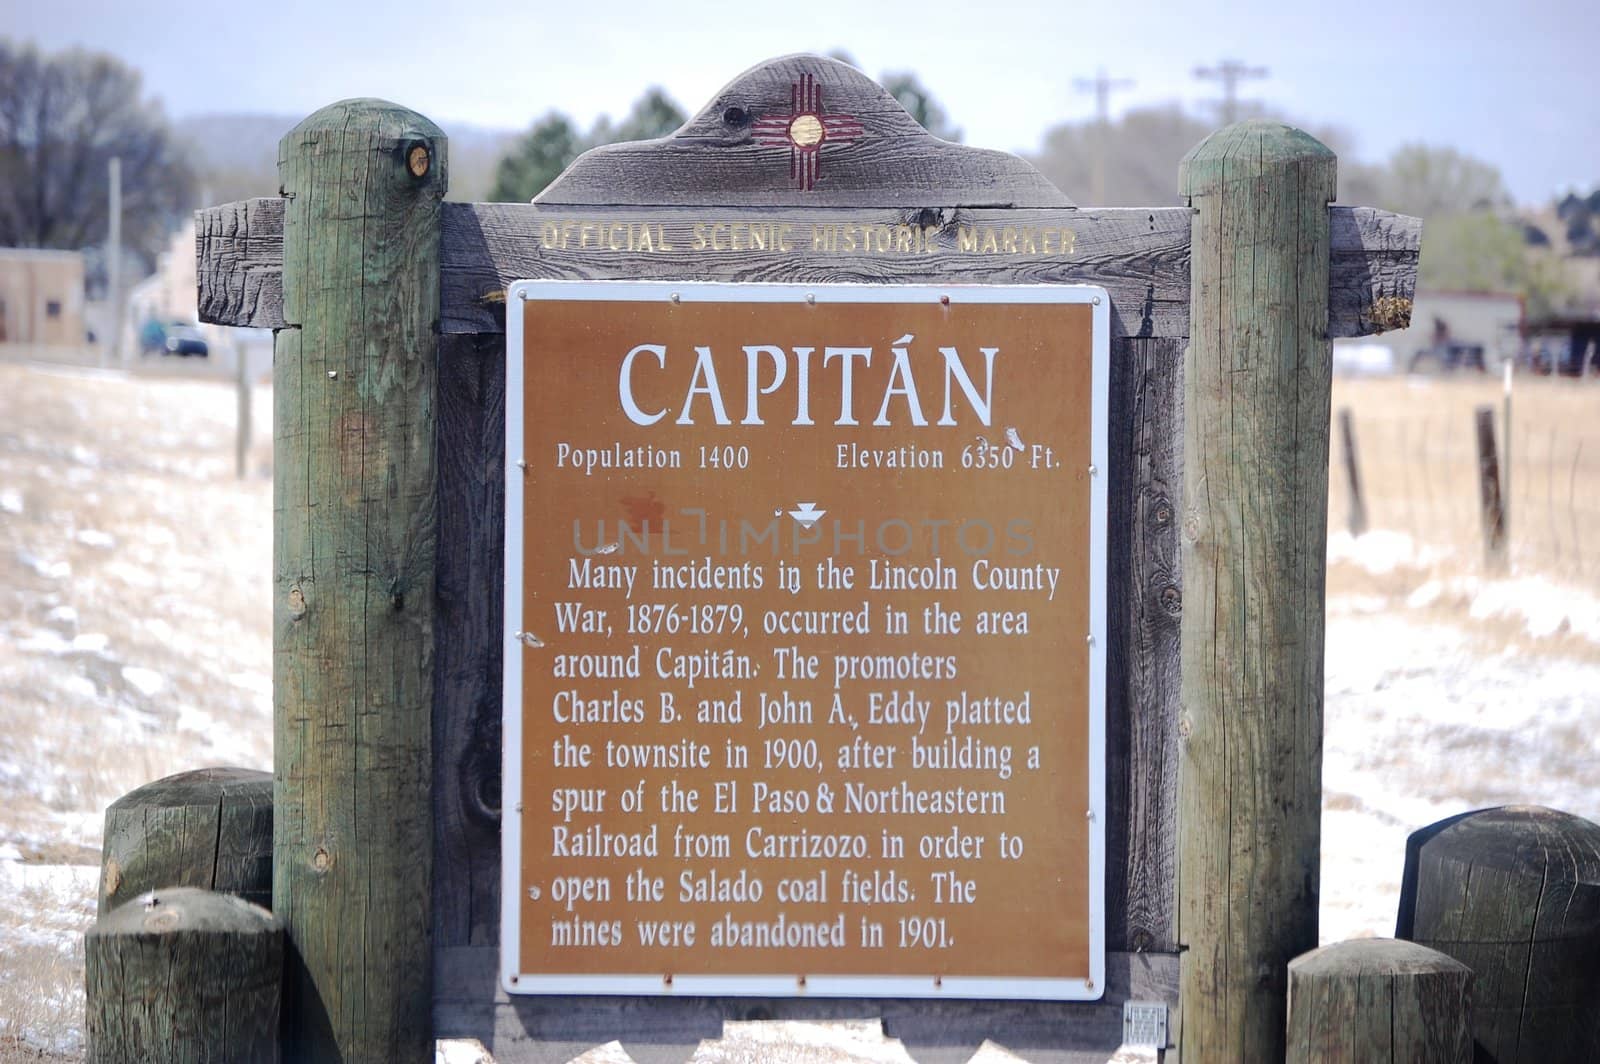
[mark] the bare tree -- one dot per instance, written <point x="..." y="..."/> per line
<point x="62" y="119"/>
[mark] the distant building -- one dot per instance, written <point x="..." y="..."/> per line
<point x="41" y="297"/>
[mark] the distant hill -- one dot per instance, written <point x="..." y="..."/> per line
<point x="237" y="154"/>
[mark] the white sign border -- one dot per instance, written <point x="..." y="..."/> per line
<point x="514" y="981"/>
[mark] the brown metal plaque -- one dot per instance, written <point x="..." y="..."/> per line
<point x="805" y="662"/>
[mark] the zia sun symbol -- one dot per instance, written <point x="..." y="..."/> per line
<point x="805" y="130"/>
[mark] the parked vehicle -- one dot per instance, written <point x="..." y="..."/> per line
<point x="175" y="338"/>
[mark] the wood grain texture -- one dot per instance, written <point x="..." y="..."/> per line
<point x="1379" y="1000"/>
<point x="526" y="1029"/>
<point x="354" y="556"/>
<point x="1372" y="270"/>
<point x="239" y="263"/>
<point x="1141" y="256"/>
<point x="210" y="828"/>
<point x="1255" y="487"/>
<point x="887" y="160"/>
<point x="184" y="976"/>
<point x="468" y="622"/>
<point x="1514" y="894"/>
<point x="1144" y="604"/>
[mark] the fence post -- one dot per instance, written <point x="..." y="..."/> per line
<point x="1257" y="382"/>
<point x="1491" y="504"/>
<point x="354" y="558"/>
<point x="1514" y="894"/>
<point x="241" y="426"/>
<point x="1352" y="473"/>
<point x="1373" y="1000"/>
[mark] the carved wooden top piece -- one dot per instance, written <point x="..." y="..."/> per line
<point x="802" y="130"/>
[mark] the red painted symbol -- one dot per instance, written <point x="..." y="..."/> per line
<point x="805" y="130"/>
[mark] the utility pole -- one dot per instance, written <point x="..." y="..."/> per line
<point x="1230" y="72"/>
<point x="114" y="263"/>
<point x="1101" y="85"/>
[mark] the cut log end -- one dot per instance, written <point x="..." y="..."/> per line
<point x="209" y="828"/>
<point x="184" y="974"/>
<point x="1376" y="1000"/>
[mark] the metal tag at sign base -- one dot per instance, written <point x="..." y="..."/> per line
<point x="805" y="640"/>
<point x="1144" y="1023"/>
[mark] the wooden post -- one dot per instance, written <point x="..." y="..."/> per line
<point x="184" y="975"/>
<point x="242" y="418"/>
<point x="1352" y="473"/>
<point x="1505" y="470"/>
<point x="1514" y="894"/>
<point x="1256" y="408"/>
<point x="210" y="828"/>
<point x="1491" y="504"/>
<point x="1379" y="999"/>
<point x="354" y="559"/>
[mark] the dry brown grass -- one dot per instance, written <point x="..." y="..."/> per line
<point x="1417" y="449"/>
<point x="135" y="628"/>
<point x="1419" y="460"/>
<point x="40" y="993"/>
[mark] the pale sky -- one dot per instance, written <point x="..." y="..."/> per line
<point x="1516" y="85"/>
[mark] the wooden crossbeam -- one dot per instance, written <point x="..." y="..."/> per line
<point x="1140" y="255"/>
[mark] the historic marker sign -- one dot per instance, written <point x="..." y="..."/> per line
<point x="805" y="606"/>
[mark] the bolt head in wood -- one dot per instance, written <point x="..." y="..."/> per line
<point x="418" y="161"/>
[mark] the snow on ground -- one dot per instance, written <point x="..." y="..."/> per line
<point x="1444" y="694"/>
<point x="135" y="642"/>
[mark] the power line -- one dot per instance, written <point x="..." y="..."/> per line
<point x="1102" y="86"/>
<point x="1230" y="72"/>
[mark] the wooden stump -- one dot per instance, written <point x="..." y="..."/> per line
<point x="210" y="828"/>
<point x="1379" y="999"/>
<point x="182" y="976"/>
<point x="1514" y="894"/>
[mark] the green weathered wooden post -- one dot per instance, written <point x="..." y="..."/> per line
<point x="354" y="555"/>
<point x="1256" y="414"/>
<point x="183" y="976"/>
